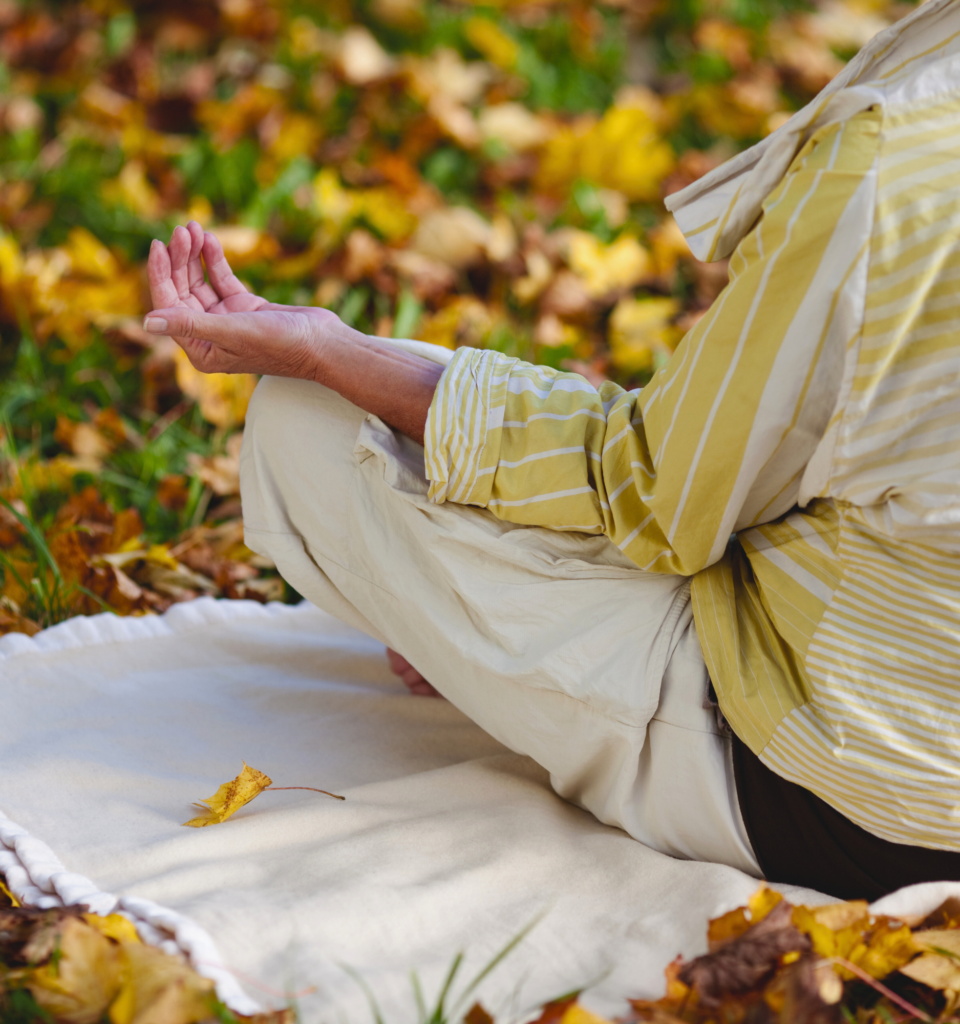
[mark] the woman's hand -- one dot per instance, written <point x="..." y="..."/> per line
<point x="255" y="336"/>
<point x="225" y="329"/>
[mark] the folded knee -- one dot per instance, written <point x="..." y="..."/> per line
<point x="299" y="437"/>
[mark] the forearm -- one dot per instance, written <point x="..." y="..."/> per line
<point x="379" y="378"/>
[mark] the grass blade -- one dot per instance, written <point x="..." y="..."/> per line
<point x="495" y="962"/>
<point x="367" y="991"/>
<point x="37" y="540"/>
<point x="418" y="996"/>
<point x="437" y="1017"/>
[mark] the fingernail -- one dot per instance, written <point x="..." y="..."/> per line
<point x="155" y="325"/>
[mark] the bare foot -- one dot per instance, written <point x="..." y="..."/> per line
<point x="412" y="679"/>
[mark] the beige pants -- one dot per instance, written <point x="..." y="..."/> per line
<point x="554" y="643"/>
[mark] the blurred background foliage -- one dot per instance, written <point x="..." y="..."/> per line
<point x="464" y="173"/>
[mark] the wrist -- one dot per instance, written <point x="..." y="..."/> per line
<point x="330" y="345"/>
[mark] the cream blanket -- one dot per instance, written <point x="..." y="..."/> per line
<point x="110" y="728"/>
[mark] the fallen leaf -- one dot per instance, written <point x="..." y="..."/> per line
<point x="641" y="334"/>
<point x="79" y="985"/>
<point x="114" y="926"/>
<point x="362" y="59"/>
<point x="159" y="989"/>
<point x="230" y="797"/>
<point x="7" y="895"/>
<point x="221" y="473"/>
<point x="606" y="268"/>
<point x="489" y="38"/>
<point x="456" y="236"/>
<point x="741" y="964"/>
<point x="513" y="125"/>
<point x="223" y="397"/>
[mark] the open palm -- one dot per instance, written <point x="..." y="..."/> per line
<point x="223" y="328"/>
<point x="259" y="337"/>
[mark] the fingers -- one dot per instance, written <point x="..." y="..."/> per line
<point x="225" y="283"/>
<point x="398" y="663"/>
<point x="179" y="248"/>
<point x="412" y="679"/>
<point x="163" y="292"/>
<point x="196" y="282"/>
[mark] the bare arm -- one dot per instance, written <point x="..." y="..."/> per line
<point x="225" y="329"/>
<point x="392" y="384"/>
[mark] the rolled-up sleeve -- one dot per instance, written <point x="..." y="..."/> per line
<point x="720" y="438"/>
<point x="537" y="446"/>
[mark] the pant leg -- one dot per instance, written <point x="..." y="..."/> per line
<point x="686" y="798"/>
<point x="554" y="643"/>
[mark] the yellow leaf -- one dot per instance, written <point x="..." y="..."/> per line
<point x="159" y="554"/>
<point x="463" y="321"/>
<point x="132" y="189"/>
<point x="114" y="926"/>
<point x="606" y="268"/>
<point x="669" y="246"/>
<point x="641" y="333"/>
<point x="223" y="397"/>
<point x="200" y="210"/>
<point x="335" y="204"/>
<point x="11" y="261"/>
<point x="576" y="1014"/>
<point x="159" y="989"/>
<point x="487" y="37"/>
<point x="231" y="796"/>
<point x="4" y="891"/>
<point x="244" y="246"/>
<point x="623" y="151"/>
<point x="762" y="902"/>
<point x="834" y="930"/>
<point x="385" y="211"/>
<point x="78" y="985"/>
<point x="297" y="135"/>
<point x="885" y="949"/>
<point x="89" y="257"/>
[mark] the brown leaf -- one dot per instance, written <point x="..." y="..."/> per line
<point x="742" y="964"/>
<point x="477" y="1015"/>
<point x="807" y="991"/>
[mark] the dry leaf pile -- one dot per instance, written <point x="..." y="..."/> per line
<point x="463" y="173"/>
<point x="768" y="963"/>
<point x="773" y="962"/>
<point x="70" y="967"/>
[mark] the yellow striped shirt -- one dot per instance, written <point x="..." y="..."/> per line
<point x="814" y="413"/>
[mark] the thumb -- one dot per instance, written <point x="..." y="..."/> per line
<point x="181" y="322"/>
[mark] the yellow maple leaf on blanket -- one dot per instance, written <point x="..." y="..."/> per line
<point x="237" y="793"/>
<point x="230" y="797"/>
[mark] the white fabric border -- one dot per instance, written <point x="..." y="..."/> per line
<point x="37" y="877"/>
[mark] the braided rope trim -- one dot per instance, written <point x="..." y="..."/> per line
<point x="37" y="877"/>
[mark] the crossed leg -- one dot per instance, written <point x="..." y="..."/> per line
<point x="554" y="643"/>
